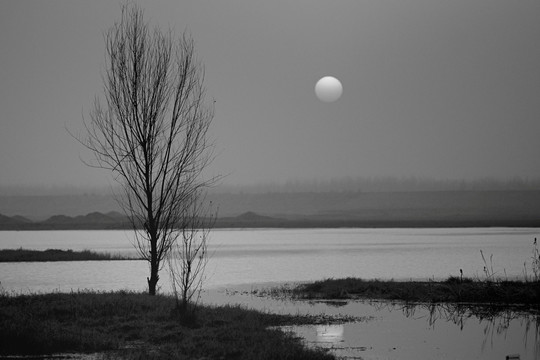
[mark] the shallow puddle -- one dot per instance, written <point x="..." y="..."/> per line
<point x="383" y="330"/>
<point x="402" y="335"/>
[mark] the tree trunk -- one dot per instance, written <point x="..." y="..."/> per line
<point x="154" y="268"/>
<point x="185" y="300"/>
<point x="152" y="281"/>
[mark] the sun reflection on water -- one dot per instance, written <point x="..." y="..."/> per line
<point x="329" y="333"/>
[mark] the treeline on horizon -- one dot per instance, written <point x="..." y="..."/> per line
<point x="385" y="184"/>
<point x="341" y="184"/>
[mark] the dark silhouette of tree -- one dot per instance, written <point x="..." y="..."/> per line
<point x="151" y="131"/>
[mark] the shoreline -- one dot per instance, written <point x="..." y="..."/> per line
<point x="292" y="224"/>
<point x="52" y="255"/>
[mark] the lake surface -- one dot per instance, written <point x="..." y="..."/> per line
<point x="241" y="258"/>
<point x="277" y="255"/>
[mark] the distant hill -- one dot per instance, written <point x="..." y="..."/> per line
<point x="21" y="219"/>
<point x="94" y="220"/>
<point x="251" y="216"/>
<point x="6" y="221"/>
<point x="115" y="220"/>
<point x="58" y="219"/>
<point x="39" y="208"/>
<point x="347" y="209"/>
<point x="249" y="219"/>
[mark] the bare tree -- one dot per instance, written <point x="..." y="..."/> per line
<point x="151" y="131"/>
<point x="189" y="256"/>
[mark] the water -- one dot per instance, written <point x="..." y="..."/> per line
<point x="400" y="332"/>
<point x="243" y="257"/>
<point x="394" y="330"/>
<point x="257" y="256"/>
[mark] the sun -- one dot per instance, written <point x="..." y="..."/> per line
<point x="328" y="89"/>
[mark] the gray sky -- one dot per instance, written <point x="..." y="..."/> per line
<point x="432" y="88"/>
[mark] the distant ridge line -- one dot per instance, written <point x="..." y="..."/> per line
<point x="364" y="210"/>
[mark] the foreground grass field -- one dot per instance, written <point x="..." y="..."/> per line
<point x="137" y="326"/>
<point x="524" y="294"/>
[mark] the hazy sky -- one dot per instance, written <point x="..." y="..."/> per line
<point x="432" y="88"/>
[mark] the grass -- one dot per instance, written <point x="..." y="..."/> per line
<point x="492" y="290"/>
<point x="20" y="255"/>
<point x="454" y="289"/>
<point x="138" y="326"/>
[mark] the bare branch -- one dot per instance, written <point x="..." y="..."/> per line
<point x="150" y="129"/>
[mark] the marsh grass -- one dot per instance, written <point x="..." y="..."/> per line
<point x="20" y="255"/>
<point x="138" y="326"/>
<point x="466" y="290"/>
<point x="491" y="289"/>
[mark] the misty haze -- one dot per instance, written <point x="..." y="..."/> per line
<point x="188" y="179"/>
